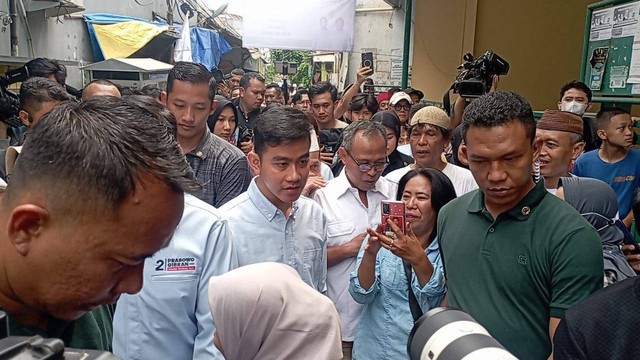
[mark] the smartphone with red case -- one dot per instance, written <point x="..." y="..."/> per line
<point x="393" y="210"/>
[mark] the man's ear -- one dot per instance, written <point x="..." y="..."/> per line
<point x="601" y="134"/>
<point x="578" y="148"/>
<point x="241" y="91"/>
<point x="25" y="226"/>
<point x="214" y="106"/>
<point x="342" y="152"/>
<point x="560" y="105"/>
<point x="537" y="148"/>
<point x="588" y="107"/>
<point x="24" y="116"/>
<point x="254" y="162"/>
<point x="164" y="97"/>
<point x="462" y="154"/>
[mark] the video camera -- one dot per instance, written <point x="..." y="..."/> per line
<point x="452" y="334"/>
<point x="476" y="74"/>
<point x="10" y="101"/>
<point x="38" y="348"/>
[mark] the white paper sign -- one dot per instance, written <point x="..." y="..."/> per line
<point x="300" y="25"/>
<point x="625" y="20"/>
<point x="601" y="25"/>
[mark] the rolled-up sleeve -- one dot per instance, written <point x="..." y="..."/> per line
<point x="358" y="293"/>
<point x="431" y="294"/>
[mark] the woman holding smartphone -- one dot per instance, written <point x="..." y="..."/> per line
<point x="388" y="269"/>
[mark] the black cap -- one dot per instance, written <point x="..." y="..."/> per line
<point x="414" y="91"/>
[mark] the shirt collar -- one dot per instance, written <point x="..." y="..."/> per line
<point x="520" y="211"/>
<point x="266" y="207"/>
<point x="199" y="151"/>
<point x="345" y="185"/>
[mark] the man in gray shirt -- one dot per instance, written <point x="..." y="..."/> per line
<point x="219" y="167"/>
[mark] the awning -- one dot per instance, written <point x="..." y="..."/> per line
<point x="123" y="39"/>
<point x="117" y="36"/>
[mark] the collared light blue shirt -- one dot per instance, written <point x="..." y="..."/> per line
<point x="170" y="317"/>
<point x="262" y="233"/>
<point x="386" y="319"/>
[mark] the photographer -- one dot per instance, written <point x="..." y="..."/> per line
<point x="78" y="224"/>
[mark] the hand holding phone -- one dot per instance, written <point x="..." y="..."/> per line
<point x="367" y="61"/>
<point x="394" y="211"/>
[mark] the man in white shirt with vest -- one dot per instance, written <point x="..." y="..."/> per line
<point x="352" y="203"/>
<point x="429" y="135"/>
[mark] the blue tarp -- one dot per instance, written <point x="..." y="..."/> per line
<point x="207" y="46"/>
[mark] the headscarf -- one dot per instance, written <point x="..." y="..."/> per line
<point x="397" y="160"/>
<point x="265" y="311"/>
<point x="597" y="203"/>
<point x="213" y="118"/>
<point x="389" y="119"/>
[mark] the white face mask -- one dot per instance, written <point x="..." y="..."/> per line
<point x="574" y="107"/>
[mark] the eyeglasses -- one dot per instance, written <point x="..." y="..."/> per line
<point x="399" y="107"/>
<point x="366" y="167"/>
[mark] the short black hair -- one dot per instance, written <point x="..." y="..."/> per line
<point x="35" y="91"/>
<point x="442" y="190"/>
<point x="360" y="101"/>
<point x="193" y="73"/>
<point x="43" y="67"/>
<point x="575" y="84"/>
<point x="497" y="109"/>
<point x="279" y="125"/>
<point x="275" y="86"/>
<point x="92" y="153"/>
<point x="603" y="118"/>
<point x="246" y="79"/>
<point x="321" y="88"/>
<point x="298" y="96"/>
<point x="414" y="109"/>
<point x="237" y="72"/>
<point x="151" y="90"/>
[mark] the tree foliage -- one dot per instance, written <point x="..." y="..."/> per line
<point x="302" y="58"/>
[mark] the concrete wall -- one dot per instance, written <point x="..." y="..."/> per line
<point x="373" y="33"/>
<point x="542" y="41"/>
<point x="66" y="37"/>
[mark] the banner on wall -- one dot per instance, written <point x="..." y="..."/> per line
<point x="320" y="25"/>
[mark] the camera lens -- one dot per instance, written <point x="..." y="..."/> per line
<point x="385" y="208"/>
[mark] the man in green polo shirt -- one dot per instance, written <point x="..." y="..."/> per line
<point x="515" y="256"/>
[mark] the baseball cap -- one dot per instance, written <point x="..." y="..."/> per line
<point x="385" y="95"/>
<point x="431" y="115"/>
<point x="400" y="95"/>
<point x="414" y="91"/>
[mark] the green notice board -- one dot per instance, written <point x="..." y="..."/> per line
<point x="611" y="67"/>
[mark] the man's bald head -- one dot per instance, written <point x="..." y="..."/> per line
<point x="100" y="87"/>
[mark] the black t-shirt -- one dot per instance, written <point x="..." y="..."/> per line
<point x="603" y="326"/>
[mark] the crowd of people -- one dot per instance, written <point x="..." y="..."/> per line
<point x="242" y="220"/>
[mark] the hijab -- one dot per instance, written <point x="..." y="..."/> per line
<point x="213" y="118"/>
<point x="596" y="201"/>
<point x="389" y="119"/>
<point x="397" y="160"/>
<point x="265" y="311"/>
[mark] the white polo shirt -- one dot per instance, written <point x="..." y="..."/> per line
<point x="346" y="218"/>
<point x="461" y="178"/>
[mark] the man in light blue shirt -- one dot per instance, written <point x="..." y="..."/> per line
<point x="170" y="317"/>
<point x="271" y="221"/>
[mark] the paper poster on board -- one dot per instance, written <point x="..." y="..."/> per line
<point x="598" y="63"/>
<point x="321" y="25"/>
<point x="601" y="25"/>
<point x="625" y="20"/>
